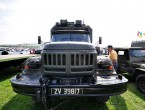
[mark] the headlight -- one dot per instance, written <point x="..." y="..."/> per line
<point x="142" y="66"/>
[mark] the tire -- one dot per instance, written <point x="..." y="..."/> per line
<point x="140" y="83"/>
<point x="102" y="99"/>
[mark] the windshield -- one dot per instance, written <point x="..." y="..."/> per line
<point x="137" y="53"/>
<point x="71" y="37"/>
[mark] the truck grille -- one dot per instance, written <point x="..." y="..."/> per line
<point x="81" y="59"/>
<point x="55" y="59"/>
<point x="69" y="63"/>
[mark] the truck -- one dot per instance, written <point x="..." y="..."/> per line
<point x="132" y="61"/>
<point x="69" y="67"/>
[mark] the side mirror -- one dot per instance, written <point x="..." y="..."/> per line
<point x="39" y="39"/>
<point x="100" y="40"/>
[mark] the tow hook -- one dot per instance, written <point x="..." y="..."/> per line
<point x="44" y="99"/>
<point x="38" y="95"/>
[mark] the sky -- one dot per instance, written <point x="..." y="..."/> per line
<point x="116" y="21"/>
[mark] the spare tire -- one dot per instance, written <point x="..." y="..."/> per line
<point x="4" y="53"/>
<point x="140" y="83"/>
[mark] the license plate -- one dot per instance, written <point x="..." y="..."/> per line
<point x="68" y="81"/>
<point x="67" y="91"/>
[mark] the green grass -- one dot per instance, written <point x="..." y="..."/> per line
<point x="130" y="100"/>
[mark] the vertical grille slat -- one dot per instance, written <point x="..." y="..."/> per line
<point x="51" y="59"/>
<point x="60" y="59"/>
<point x="56" y="59"/>
<point x="47" y="59"/>
<point x="89" y="59"/>
<point x="74" y="59"/>
<point x="84" y="59"/>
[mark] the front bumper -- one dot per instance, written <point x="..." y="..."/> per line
<point x="105" y="86"/>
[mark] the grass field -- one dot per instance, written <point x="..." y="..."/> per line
<point x="131" y="100"/>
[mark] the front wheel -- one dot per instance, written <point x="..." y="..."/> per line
<point x="140" y="82"/>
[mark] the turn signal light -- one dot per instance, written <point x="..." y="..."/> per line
<point x="26" y="67"/>
<point x="110" y="67"/>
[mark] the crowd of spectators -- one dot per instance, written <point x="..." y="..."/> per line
<point x="18" y="50"/>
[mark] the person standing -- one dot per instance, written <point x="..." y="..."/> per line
<point x="113" y="56"/>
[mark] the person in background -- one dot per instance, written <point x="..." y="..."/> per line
<point x="113" y="56"/>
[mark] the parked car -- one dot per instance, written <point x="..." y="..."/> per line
<point x="26" y="51"/>
<point x="38" y="51"/>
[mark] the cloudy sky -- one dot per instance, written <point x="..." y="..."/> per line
<point x="118" y="22"/>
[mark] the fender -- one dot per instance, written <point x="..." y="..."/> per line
<point x="137" y="72"/>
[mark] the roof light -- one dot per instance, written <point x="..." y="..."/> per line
<point x="78" y="23"/>
<point x="63" y="22"/>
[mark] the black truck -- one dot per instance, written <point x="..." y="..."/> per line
<point x="132" y="61"/>
<point x="69" y="67"/>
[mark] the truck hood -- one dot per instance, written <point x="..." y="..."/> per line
<point x="69" y="46"/>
